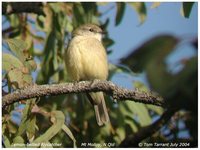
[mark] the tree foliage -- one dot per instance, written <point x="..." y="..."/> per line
<point x="33" y="50"/>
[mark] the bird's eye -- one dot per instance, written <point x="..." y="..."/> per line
<point x="91" y="30"/>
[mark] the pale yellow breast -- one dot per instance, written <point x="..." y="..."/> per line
<point x="86" y="59"/>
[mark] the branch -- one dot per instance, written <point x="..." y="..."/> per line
<point x="108" y="87"/>
<point x="134" y="139"/>
<point x="22" y="7"/>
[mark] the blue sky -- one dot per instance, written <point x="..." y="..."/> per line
<point x="165" y="19"/>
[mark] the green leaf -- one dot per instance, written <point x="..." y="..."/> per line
<point x="25" y="117"/>
<point x="48" y="19"/>
<point x="15" y="33"/>
<point x="55" y="59"/>
<point x="17" y="46"/>
<point x="189" y="69"/>
<point x="121" y="133"/>
<point x="102" y="3"/>
<point x="158" y="110"/>
<point x="79" y="13"/>
<point x="141" y="111"/>
<point x="6" y="141"/>
<point x="140" y="8"/>
<point x="90" y="9"/>
<point x="155" y="5"/>
<point x="47" y="65"/>
<point x="69" y="133"/>
<point x="155" y="49"/>
<point x="40" y="22"/>
<point x="120" y="12"/>
<point x="108" y="42"/>
<point x="58" y="119"/>
<point x="14" y="20"/>
<point x="187" y="85"/>
<point x="69" y="26"/>
<point x="125" y="111"/>
<point x="12" y="127"/>
<point x="49" y="46"/>
<point x="30" y="64"/>
<point x="10" y="62"/>
<point x="31" y="128"/>
<point x="57" y="22"/>
<point x="15" y="77"/>
<point x="113" y="69"/>
<point x="141" y="86"/>
<point x="56" y="7"/>
<point x="18" y="79"/>
<point x="18" y="142"/>
<point x="159" y="79"/>
<point x="132" y="124"/>
<point x="28" y="80"/>
<point x="186" y="9"/>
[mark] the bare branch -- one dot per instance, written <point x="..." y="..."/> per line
<point x="22" y="7"/>
<point x="134" y="139"/>
<point x="108" y="87"/>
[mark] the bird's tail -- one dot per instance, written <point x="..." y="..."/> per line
<point x="101" y="113"/>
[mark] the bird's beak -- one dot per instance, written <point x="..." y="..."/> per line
<point x="103" y="32"/>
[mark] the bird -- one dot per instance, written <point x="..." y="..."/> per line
<point x="86" y="59"/>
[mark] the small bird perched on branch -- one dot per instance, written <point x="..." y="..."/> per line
<point x="86" y="59"/>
